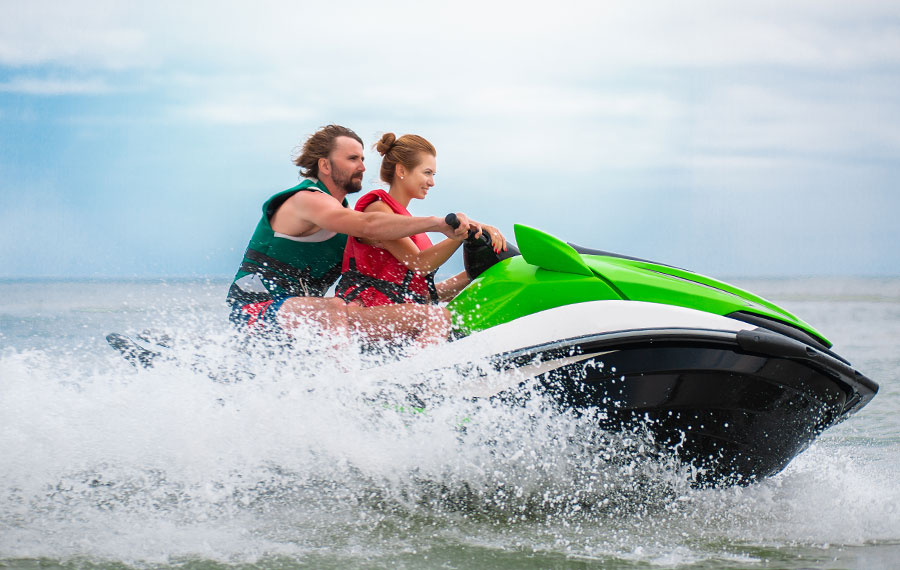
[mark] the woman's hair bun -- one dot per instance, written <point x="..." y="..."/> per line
<point x="384" y="145"/>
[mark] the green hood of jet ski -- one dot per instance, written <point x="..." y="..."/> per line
<point x="551" y="273"/>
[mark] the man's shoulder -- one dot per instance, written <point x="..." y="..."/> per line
<point x="307" y="186"/>
<point x="313" y="197"/>
<point x="309" y="205"/>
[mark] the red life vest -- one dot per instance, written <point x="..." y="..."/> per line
<point x="372" y="276"/>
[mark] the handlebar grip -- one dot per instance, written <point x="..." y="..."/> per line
<point x="453" y="221"/>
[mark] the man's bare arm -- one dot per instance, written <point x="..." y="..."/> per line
<point x="305" y="210"/>
<point x="407" y="253"/>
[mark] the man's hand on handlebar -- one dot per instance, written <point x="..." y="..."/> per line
<point x="457" y="226"/>
<point x="474" y="231"/>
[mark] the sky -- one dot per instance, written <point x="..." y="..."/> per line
<point x="139" y="139"/>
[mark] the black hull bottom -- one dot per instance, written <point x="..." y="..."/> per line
<point x="736" y="416"/>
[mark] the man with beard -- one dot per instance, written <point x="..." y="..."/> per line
<point x="295" y="253"/>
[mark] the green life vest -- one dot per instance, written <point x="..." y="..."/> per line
<point x="277" y="265"/>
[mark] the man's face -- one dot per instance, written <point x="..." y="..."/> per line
<point x="346" y="161"/>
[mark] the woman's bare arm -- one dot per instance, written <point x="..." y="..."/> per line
<point x="408" y="254"/>
<point x="449" y="288"/>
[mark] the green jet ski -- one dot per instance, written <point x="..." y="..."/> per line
<point x="730" y="382"/>
<point x="727" y="381"/>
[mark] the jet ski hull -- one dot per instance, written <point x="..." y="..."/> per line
<point x="735" y="412"/>
<point x="736" y="401"/>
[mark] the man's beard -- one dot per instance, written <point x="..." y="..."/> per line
<point x="348" y="183"/>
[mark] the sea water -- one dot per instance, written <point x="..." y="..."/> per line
<point x="272" y="457"/>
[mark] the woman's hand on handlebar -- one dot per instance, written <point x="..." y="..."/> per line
<point x="498" y="242"/>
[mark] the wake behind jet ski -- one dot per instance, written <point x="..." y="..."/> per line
<point x="729" y="382"/>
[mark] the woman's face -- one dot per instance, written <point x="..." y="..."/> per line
<point x="420" y="179"/>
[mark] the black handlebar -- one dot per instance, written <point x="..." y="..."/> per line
<point x="453" y="221"/>
<point x="478" y="254"/>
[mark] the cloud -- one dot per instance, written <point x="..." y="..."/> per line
<point x="797" y="117"/>
<point x="599" y="85"/>
<point x="469" y="58"/>
<point x="601" y="103"/>
<point x="482" y="36"/>
<point x="244" y="113"/>
<point x="806" y="33"/>
<point x="97" y="35"/>
<point x="55" y="86"/>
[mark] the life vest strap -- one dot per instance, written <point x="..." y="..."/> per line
<point x="353" y="282"/>
<point x="295" y="282"/>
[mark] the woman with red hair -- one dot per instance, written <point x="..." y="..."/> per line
<point x="401" y="271"/>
